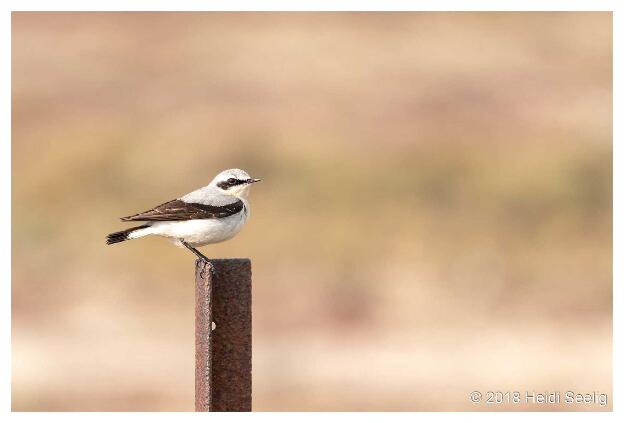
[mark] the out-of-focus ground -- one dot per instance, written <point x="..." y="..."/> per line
<point x="434" y="217"/>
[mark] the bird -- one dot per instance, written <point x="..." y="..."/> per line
<point x="208" y="215"/>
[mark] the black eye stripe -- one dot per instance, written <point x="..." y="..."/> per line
<point x="228" y="184"/>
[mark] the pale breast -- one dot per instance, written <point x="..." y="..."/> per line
<point x="198" y="232"/>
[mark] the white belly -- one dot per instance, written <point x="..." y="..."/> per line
<point x="198" y="232"/>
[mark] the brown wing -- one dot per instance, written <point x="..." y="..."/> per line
<point x="180" y="210"/>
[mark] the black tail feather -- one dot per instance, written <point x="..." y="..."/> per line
<point x="121" y="236"/>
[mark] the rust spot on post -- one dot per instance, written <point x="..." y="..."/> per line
<point x="223" y="355"/>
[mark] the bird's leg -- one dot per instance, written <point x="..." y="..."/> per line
<point x="202" y="257"/>
<point x="194" y="250"/>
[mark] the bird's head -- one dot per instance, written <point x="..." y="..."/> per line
<point x="234" y="182"/>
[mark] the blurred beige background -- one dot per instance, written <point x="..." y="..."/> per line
<point x="434" y="216"/>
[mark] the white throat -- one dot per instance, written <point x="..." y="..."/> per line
<point x="241" y="192"/>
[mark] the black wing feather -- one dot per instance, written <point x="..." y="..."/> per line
<point x="180" y="210"/>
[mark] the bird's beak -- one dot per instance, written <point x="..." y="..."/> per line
<point x="253" y="181"/>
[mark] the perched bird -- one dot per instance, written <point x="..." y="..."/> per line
<point x="211" y="214"/>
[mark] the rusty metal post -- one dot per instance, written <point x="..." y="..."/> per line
<point x="223" y="354"/>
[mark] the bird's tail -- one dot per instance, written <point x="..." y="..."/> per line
<point x="124" y="235"/>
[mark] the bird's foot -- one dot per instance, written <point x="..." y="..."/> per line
<point x="201" y="256"/>
<point x="207" y="267"/>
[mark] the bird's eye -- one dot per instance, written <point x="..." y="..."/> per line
<point x="231" y="181"/>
